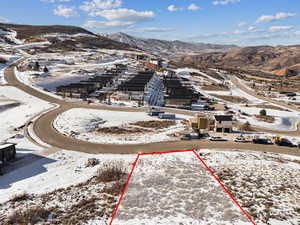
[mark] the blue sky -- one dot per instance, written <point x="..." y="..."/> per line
<point x="241" y="22"/>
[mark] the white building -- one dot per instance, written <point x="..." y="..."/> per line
<point x="223" y="123"/>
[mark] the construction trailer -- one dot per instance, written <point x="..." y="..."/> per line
<point x="7" y="154"/>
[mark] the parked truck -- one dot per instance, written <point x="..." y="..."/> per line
<point x="284" y="142"/>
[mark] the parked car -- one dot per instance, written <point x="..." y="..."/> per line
<point x="186" y="137"/>
<point x="262" y="141"/>
<point x="167" y="116"/>
<point x="217" y="139"/>
<point x="241" y="139"/>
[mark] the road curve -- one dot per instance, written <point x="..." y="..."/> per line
<point x="45" y="131"/>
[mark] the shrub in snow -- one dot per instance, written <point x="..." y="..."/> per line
<point x="263" y="112"/>
<point x="246" y="127"/>
<point x="111" y="171"/>
<point x="3" y="60"/>
<point x="21" y="197"/>
<point x="92" y="162"/>
<point x="31" y="215"/>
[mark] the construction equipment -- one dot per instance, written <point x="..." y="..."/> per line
<point x="283" y="142"/>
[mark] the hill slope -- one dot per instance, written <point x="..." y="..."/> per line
<point x="280" y="60"/>
<point x="167" y="48"/>
<point x="61" y="37"/>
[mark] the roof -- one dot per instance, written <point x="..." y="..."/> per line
<point x="223" y="117"/>
<point x="6" y="145"/>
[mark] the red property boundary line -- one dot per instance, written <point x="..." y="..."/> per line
<point x="168" y="152"/>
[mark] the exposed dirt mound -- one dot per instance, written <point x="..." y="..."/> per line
<point x="234" y="99"/>
<point x="121" y="130"/>
<point x="155" y="124"/>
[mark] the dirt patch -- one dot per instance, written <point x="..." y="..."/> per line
<point x="267" y="107"/>
<point x="268" y="119"/>
<point x="215" y="87"/>
<point x="233" y="99"/>
<point x="121" y="130"/>
<point x="155" y="124"/>
<point x="246" y="127"/>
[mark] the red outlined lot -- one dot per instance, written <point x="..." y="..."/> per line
<point x="135" y="164"/>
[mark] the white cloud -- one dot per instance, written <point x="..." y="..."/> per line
<point x="270" y="18"/>
<point x="4" y="20"/>
<point x="125" y="15"/>
<point x="193" y="7"/>
<point x="172" y="8"/>
<point x="65" y="11"/>
<point x="152" y="29"/>
<point x="119" y="18"/>
<point x="251" y="28"/>
<point x="242" y="24"/>
<point x="100" y="4"/>
<point x="297" y="32"/>
<point x="280" y="28"/>
<point x="225" y="2"/>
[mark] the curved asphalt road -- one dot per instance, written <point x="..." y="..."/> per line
<point x="44" y="130"/>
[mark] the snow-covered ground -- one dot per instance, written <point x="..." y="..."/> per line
<point x="284" y="120"/>
<point x="15" y="117"/>
<point x="263" y="183"/>
<point x="58" y="170"/>
<point x="176" y="189"/>
<point x="64" y="70"/>
<point x="82" y="124"/>
<point x="186" y="72"/>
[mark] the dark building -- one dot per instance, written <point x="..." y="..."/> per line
<point x="179" y="94"/>
<point x="7" y="153"/>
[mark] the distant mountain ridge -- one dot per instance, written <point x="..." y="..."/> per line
<point x="279" y="60"/>
<point x="168" y="48"/>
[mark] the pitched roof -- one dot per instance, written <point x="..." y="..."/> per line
<point x="223" y="117"/>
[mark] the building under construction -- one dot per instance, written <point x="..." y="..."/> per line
<point x="84" y="88"/>
<point x="178" y="93"/>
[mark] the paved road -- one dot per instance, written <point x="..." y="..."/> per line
<point x="45" y="131"/>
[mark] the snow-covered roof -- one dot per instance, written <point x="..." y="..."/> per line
<point x="5" y="145"/>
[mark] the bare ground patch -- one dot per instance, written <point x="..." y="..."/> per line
<point x="121" y="130"/>
<point x="267" y="107"/>
<point x="155" y="124"/>
<point x="268" y="119"/>
<point x="215" y="87"/>
<point x="233" y="99"/>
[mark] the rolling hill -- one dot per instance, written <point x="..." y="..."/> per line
<point x="169" y="49"/>
<point x="279" y="60"/>
<point x="61" y="37"/>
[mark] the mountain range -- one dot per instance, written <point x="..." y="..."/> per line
<point x="169" y="49"/>
<point x="278" y="60"/>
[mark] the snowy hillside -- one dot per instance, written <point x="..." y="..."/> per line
<point x="167" y="48"/>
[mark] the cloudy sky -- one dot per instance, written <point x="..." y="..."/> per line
<point x="241" y="22"/>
